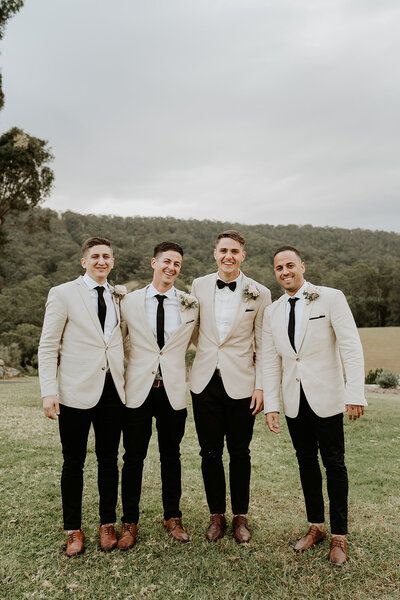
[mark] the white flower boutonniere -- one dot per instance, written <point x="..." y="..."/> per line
<point x="188" y="301"/>
<point x="311" y="294"/>
<point x="119" y="291"/>
<point x="250" y="292"/>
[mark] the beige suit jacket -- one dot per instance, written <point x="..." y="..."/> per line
<point x="235" y="354"/>
<point x="144" y="356"/>
<point x="73" y="355"/>
<point x="328" y="345"/>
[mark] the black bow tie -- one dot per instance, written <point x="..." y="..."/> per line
<point x="221" y="284"/>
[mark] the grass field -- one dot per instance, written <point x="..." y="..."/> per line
<point x="32" y="564"/>
<point x="381" y="347"/>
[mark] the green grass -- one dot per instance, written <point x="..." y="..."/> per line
<point x="32" y="563"/>
<point x="381" y="347"/>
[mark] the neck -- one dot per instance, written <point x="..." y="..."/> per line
<point x="99" y="280"/>
<point x="162" y="287"/>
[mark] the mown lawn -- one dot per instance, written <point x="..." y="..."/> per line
<point x="32" y="563"/>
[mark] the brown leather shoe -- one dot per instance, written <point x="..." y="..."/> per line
<point x="75" y="543"/>
<point x="241" y="531"/>
<point x="175" y="529"/>
<point x="216" y="529"/>
<point x="313" y="536"/>
<point x="338" y="553"/>
<point x="108" y="538"/>
<point x="127" y="539"/>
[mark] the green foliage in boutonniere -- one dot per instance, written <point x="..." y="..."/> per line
<point x="250" y="292"/>
<point x="188" y="301"/>
<point x="311" y="294"/>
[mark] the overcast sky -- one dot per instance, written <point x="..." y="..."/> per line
<point x="252" y="111"/>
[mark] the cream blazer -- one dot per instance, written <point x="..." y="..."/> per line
<point x="241" y="375"/>
<point x="73" y="355"/>
<point x="329" y="360"/>
<point x="144" y="355"/>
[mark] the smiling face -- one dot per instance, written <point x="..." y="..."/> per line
<point x="229" y="255"/>
<point x="289" y="269"/>
<point x="166" y="266"/>
<point x="98" y="262"/>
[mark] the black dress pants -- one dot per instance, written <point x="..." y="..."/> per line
<point x="137" y="431"/>
<point x="311" y="433"/>
<point x="217" y="416"/>
<point x="74" y="425"/>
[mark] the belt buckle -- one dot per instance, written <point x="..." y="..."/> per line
<point x="157" y="383"/>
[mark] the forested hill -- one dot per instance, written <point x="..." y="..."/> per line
<point x="42" y="249"/>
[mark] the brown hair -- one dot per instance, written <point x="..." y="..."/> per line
<point x="95" y="241"/>
<point x="233" y="234"/>
<point x="165" y="246"/>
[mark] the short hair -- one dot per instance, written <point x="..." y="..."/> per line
<point x="288" y="249"/>
<point x="95" y="241"/>
<point x="165" y="246"/>
<point x="233" y="234"/>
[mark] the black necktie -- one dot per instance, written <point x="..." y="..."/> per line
<point x="101" y="305"/>
<point x="221" y="284"/>
<point x="160" y="320"/>
<point x="292" y="321"/>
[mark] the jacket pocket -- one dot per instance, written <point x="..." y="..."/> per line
<point x="314" y="318"/>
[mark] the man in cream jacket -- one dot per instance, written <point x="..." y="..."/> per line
<point x="160" y="321"/>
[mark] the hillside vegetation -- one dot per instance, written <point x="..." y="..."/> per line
<point x="42" y="248"/>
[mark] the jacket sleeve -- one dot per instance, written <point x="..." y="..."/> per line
<point x="55" y="319"/>
<point x="272" y="367"/>
<point x="258" y="321"/>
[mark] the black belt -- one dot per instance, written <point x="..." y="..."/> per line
<point x="158" y="383"/>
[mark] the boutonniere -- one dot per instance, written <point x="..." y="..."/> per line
<point x="119" y="291"/>
<point x="311" y="294"/>
<point x="250" y="292"/>
<point x="188" y="301"/>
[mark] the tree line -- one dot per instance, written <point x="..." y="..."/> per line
<point x="41" y="248"/>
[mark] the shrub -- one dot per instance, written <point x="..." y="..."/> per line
<point x="11" y="355"/>
<point x="388" y="379"/>
<point x="371" y="376"/>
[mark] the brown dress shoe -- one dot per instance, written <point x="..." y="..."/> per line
<point x="338" y="553"/>
<point x="75" y="543"/>
<point x="313" y="536"/>
<point x="108" y="538"/>
<point x="216" y="529"/>
<point x="127" y="539"/>
<point x="241" y="531"/>
<point x="175" y="529"/>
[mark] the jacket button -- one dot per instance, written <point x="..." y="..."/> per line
<point x="153" y="372"/>
<point x="297" y="379"/>
<point x="160" y="353"/>
<point x="297" y="360"/>
<point x="103" y="368"/>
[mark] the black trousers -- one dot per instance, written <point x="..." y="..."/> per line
<point x="74" y="425"/>
<point x="309" y="434"/>
<point x="137" y="431"/>
<point x="218" y="416"/>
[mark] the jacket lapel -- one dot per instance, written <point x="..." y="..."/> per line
<point x="241" y="309"/>
<point x="304" y="323"/>
<point x="87" y="301"/>
<point x="142" y="317"/>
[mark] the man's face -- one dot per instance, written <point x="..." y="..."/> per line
<point x="289" y="269"/>
<point x="98" y="262"/>
<point x="229" y="255"/>
<point x="166" y="266"/>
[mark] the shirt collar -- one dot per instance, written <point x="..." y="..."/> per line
<point x="153" y="291"/>
<point x="91" y="283"/>
<point x="298" y="294"/>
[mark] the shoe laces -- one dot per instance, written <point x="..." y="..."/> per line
<point x="340" y="542"/>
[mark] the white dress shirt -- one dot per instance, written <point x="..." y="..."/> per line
<point x="172" y="313"/>
<point x="298" y="312"/>
<point x="226" y="304"/>
<point x="111" y="315"/>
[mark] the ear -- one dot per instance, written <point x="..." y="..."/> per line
<point x="83" y="262"/>
<point x="244" y="254"/>
<point x="215" y="253"/>
<point x="153" y="262"/>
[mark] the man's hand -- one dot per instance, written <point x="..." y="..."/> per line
<point x="257" y="402"/>
<point x="272" y="422"/>
<point x="51" y="407"/>
<point x="355" y="411"/>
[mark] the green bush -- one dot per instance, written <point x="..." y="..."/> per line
<point x="11" y="355"/>
<point x="388" y="379"/>
<point x="371" y="376"/>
